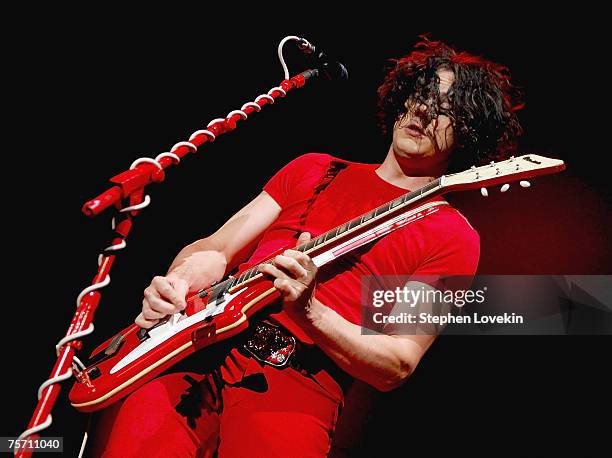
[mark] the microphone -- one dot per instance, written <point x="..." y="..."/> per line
<point x="330" y="68"/>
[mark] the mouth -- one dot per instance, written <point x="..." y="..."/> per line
<point x="414" y="129"/>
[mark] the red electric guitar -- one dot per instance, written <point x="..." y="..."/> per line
<point x="135" y="355"/>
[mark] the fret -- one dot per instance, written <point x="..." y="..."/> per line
<point x="343" y="228"/>
<point x="233" y="282"/>
<point x="396" y="202"/>
<point x="353" y="223"/>
<point x="310" y="245"/>
<point x="328" y="236"/>
<point x="367" y="216"/>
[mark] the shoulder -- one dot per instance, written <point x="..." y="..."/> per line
<point x="298" y="177"/>
<point x="312" y="160"/>
<point x="309" y="168"/>
<point x="443" y="241"/>
<point x="322" y="160"/>
<point x="446" y="233"/>
<point x="449" y="225"/>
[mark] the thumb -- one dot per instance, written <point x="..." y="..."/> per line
<point x="303" y="238"/>
<point x="181" y="287"/>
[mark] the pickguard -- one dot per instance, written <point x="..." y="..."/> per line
<point x="177" y="323"/>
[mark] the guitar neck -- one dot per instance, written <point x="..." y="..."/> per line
<point x="366" y="219"/>
<point x="338" y="233"/>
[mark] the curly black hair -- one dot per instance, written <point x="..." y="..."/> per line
<point x="482" y="102"/>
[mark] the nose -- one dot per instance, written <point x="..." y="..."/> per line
<point x="421" y="109"/>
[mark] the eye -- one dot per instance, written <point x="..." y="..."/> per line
<point x="444" y="104"/>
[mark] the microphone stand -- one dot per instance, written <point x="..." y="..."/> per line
<point x="128" y="188"/>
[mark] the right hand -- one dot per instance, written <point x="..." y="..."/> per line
<point x="164" y="296"/>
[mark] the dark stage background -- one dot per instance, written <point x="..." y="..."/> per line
<point x="96" y="97"/>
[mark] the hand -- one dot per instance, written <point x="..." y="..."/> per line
<point x="294" y="274"/>
<point x="164" y="296"/>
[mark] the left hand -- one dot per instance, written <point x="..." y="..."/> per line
<point x="294" y="274"/>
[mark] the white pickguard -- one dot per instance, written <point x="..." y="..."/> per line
<point x="173" y="326"/>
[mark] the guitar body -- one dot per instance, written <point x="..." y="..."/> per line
<point x="135" y="356"/>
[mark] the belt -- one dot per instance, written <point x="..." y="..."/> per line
<point x="273" y="345"/>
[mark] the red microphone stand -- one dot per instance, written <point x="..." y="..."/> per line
<point x="128" y="188"/>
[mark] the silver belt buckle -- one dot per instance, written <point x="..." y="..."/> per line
<point x="270" y="345"/>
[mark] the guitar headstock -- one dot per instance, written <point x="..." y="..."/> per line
<point x="495" y="173"/>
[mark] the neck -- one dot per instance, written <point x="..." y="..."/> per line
<point x="409" y="173"/>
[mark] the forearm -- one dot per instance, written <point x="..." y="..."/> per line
<point x="380" y="360"/>
<point x="201" y="263"/>
<point x="208" y="259"/>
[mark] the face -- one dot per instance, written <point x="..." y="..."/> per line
<point x="435" y="141"/>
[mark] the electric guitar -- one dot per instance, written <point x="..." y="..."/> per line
<point x="136" y="355"/>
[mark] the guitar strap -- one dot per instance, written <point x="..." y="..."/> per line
<point x="335" y="166"/>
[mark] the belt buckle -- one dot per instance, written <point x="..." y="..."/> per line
<point x="270" y="345"/>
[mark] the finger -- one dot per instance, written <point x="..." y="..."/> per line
<point x="303" y="238"/>
<point x="157" y="304"/>
<point x="291" y="266"/>
<point x="287" y="289"/>
<point x="151" y="314"/>
<point x="300" y="257"/>
<point x="182" y="288"/>
<point x="144" y="323"/>
<point x="271" y="270"/>
<point x="166" y="289"/>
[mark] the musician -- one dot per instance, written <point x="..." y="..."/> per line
<point x="444" y="109"/>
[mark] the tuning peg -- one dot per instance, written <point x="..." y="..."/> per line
<point x="484" y="192"/>
<point x="505" y="187"/>
<point x="524" y="184"/>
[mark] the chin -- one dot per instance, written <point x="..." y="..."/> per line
<point x="411" y="151"/>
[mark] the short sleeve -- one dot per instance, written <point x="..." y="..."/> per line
<point x="452" y="253"/>
<point x="295" y="173"/>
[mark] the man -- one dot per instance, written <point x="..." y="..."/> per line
<point x="444" y="109"/>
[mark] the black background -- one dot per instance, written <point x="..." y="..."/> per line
<point x="89" y="95"/>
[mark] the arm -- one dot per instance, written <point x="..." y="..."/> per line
<point x="205" y="261"/>
<point x="383" y="361"/>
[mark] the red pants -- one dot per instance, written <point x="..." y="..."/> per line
<point x="247" y="410"/>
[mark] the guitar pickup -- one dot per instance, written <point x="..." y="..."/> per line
<point x="114" y="345"/>
<point x="109" y="351"/>
<point x="142" y="334"/>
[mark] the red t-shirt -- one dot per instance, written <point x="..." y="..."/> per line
<point x="443" y="243"/>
